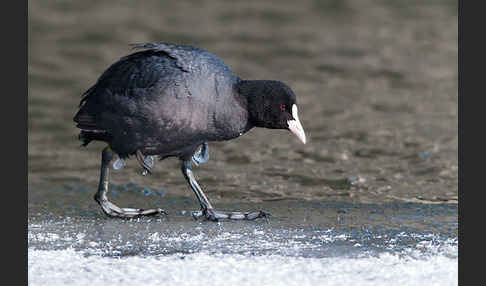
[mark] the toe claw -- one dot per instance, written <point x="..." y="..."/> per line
<point x="196" y="214"/>
<point x="210" y="215"/>
<point x="265" y="214"/>
<point x="259" y="214"/>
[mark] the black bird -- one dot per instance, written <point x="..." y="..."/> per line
<point x="171" y="100"/>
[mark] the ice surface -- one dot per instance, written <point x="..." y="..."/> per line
<point x="304" y="243"/>
<point x="69" y="267"/>
<point x="239" y="257"/>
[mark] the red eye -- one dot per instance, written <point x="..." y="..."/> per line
<point x="282" y="107"/>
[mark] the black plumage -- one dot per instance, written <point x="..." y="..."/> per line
<point x="168" y="100"/>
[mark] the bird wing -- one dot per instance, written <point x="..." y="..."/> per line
<point x="182" y="54"/>
<point x="140" y="70"/>
<point x="173" y="71"/>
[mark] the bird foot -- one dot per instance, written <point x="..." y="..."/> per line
<point x="112" y="210"/>
<point x="214" y="215"/>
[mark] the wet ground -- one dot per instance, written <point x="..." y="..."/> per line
<point x="370" y="199"/>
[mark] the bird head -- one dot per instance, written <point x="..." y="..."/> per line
<point x="272" y="104"/>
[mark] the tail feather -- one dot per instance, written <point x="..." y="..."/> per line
<point x="87" y="136"/>
<point x="90" y="130"/>
<point x="85" y="120"/>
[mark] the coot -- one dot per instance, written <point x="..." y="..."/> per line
<point x="170" y="100"/>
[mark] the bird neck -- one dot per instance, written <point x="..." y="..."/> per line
<point x="257" y="94"/>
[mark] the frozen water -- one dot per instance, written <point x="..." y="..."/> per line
<point x="404" y="244"/>
<point x="428" y="262"/>
<point x="69" y="267"/>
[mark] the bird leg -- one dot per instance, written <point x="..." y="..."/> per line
<point x="207" y="210"/>
<point x="146" y="162"/>
<point x="201" y="156"/>
<point x="108" y="207"/>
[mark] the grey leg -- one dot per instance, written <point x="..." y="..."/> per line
<point x="201" y="156"/>
<point x="146" y="162"/>
<point x="207" y="210"/>
<point x="108" y="207"/>
<point x="189" y="175"/>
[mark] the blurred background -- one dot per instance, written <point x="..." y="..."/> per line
<point x="376" y="82"/>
